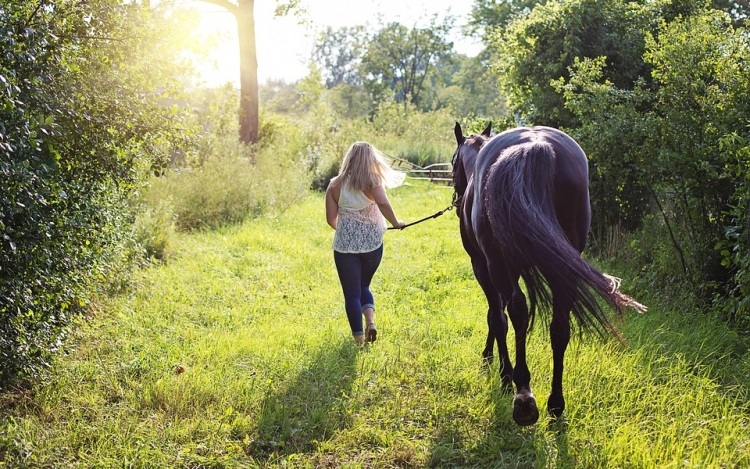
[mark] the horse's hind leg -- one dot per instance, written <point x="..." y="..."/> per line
<point x="525" y="411"/>
<point x="560" y="336"/>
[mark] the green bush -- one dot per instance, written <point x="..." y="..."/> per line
<point x="657" y="165"/>
<point x="735" y="248"/>
<point x="228" y="188"/>
<point x="422" y="138"/>
<point x="79" y="127"/>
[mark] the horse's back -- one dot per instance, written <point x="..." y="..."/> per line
<point x="571" y="160"/>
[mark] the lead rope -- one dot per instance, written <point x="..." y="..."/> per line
<point x="454" y="204"/>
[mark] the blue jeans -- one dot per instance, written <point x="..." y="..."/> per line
<point x="355" y="273"/>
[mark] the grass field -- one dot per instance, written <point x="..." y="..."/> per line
<point x="237" y="354"/>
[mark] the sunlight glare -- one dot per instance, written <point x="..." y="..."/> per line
<point x="284" y="46"/>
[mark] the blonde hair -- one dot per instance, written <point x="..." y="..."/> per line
<point x="364" y="167"/>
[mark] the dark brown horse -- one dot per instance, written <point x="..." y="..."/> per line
<point x="525" y="213"/>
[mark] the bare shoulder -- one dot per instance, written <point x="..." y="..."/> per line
<point x="377" y="194"/>
<point x="334" y="188"/>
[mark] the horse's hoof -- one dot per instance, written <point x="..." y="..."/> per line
<point x="555" y="406"/>
<point x="525" y="411"/>
<point x="555" y="412"/>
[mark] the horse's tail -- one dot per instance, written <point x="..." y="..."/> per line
<point x="519" y="193"/>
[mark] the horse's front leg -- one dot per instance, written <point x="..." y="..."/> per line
<point x="497" y="323"/>
<point x="525" y="411"/>
<point x="560" y="336"/>
<point x="498" y="330"/>
<point x="489" y="344"/>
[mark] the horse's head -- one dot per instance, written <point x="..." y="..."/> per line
<point x="465" y="156"/>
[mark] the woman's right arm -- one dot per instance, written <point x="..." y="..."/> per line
<point x="332" y="204"/>
<point x="379" y="196"/>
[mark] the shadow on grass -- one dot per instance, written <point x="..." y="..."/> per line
<point x="308" y="407"/>
<point x="706" y="347"/>
<point x="503" y="444"/>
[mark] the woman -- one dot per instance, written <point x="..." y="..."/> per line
<point x="355" y="206"/>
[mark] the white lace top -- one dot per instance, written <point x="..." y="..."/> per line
<point x="360" y="225"/>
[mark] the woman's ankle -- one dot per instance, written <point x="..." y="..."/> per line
<point x="369" y="314"/>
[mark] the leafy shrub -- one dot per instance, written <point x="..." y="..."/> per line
<point x="423" y="138"/>
<point x="78" y="129"/>
<point x="227" y="188"/>
<point x="657" y="167"/>
<point x="735" y="248"/>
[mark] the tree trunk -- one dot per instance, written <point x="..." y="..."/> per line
<point x="248" y="72"/>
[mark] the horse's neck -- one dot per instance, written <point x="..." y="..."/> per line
<point x="468" y="163"/>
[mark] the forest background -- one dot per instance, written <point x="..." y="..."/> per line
<point x="107" y="150"/>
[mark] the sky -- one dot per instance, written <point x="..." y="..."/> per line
<point x="284" y="46"/>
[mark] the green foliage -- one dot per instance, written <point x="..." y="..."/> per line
<point x="650" y="92"/>
<point x="227" y="188"/>
<point x="657" y="157"/>
<point x="421" y="138"/>
<point x="339" y="53"/>
<point x="735" y="248"/>
<point x="703" y="95"/>
<point x="365" y="70"/>
<point x="81" y="120"/>
<point x="271" y="378"/>
<point x="490" y="16"/>
<point x="279" y="97"/>
<point x="321" y="136"/>
<point x="539" y="48"/>
<point x="613" y="132"/>
<point x="154" y="231"/>
<point x="222" y="181"/>
<point x="471" y="89"/>
<point x="350" y="101"/>
<point x="398" y="59"/>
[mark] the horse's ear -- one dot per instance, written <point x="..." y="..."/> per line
<point x="459" y="134"/>
<point x="488" y="130"/>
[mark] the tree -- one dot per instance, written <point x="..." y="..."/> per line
<point x="480" y="95"/>
<point x="339" y="53"/>
<point x="539" y="48"/>
<point x="398" y="59"/>
<point x="489" y="16"/>
<point x="243" y="11"/>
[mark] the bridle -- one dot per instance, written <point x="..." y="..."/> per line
<point x="455" y="200"/>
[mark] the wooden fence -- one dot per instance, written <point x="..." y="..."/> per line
<point x="441" y="173"/>
<point x="436" y="172"/>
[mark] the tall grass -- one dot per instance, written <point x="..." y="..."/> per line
<point x="421" y="138"/>
<point x="237" y="354"/>
<point x="225" y="182"/>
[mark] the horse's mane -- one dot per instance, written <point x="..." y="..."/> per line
<point x="461" y="167"/>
